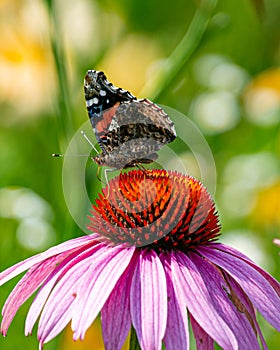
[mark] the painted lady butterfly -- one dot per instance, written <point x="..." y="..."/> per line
<point x="129" y="130"/>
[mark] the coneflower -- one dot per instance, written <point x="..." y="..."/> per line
<point x="151" y="263"/>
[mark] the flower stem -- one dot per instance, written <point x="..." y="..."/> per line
<point x="133" y="344"/>
<point x="182" y="53"/>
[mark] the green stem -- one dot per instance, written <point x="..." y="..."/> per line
<point x="133" y="344"/>
<point x="182" y="52"/>
<point x="63" y="117"/>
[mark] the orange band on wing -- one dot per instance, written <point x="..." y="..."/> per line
<point x="103" y="125"/>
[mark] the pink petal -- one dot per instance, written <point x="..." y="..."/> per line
<point x="148" y="300"/>
<point x="97" y="284"/>
<point x="227" y="304"/>
<point x="224" y="248"/>
<point x="198" y="301"/>
<point x="203" y="341"/>
<point x="29" y="283"/>
<point x="115" y="315"/>
<point x="58" y="272"/>
<point x="245" y="305"/>
<point x="257" y="285"/>
<point x="61" y="248"/>
<point x="59" y="307"/>
<point x="177" y="332"/>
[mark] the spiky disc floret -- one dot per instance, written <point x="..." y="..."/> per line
<point x="160" y="209"/>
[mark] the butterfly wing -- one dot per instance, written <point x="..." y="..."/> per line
<point x="102" y="100"/>
<point x="143" y="119"/>
<point x="128" y="130"/>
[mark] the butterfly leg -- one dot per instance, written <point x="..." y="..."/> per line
<point x="98" y="175"/>
<point x="106" y="171"/>
<point x="142" y="168"/>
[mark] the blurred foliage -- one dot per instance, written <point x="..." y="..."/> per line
<point x="227" y="83"/>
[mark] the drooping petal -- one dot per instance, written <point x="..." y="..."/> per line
<point x="203" y="341"/>
<point x="58" y="309"/>
<point x="115" y="314"/>
<point x="244" y="305"/>
<point x="224" y="248"/>
<point x="97" y="284"/>
<point x="225" y="301"/>
<point x="148" y="300"/>
<point x="29" y="283"/>
<point x="177" y="332"/>
<point x="59" y="249"/>
<point x="261" y="292"/>
<point x="40" y="299"/>
<point x="198" y="301"/>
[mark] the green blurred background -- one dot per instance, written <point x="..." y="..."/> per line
<point x="225" y="76"/>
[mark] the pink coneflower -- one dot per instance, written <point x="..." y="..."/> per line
<point x="151" y="263"/>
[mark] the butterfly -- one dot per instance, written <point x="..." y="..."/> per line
<point x="128" y="130"/>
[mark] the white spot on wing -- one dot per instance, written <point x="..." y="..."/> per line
<point x="114" y="125"/>
<point x="89" y="102"/>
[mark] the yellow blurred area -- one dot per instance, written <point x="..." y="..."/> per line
<point x="267" y="207"/>
<point x="262" y="98"/>
<point x="93" y="339"/>
<point x="26" y="66"/>
<point x="131" y="62"/>
<point x="268" y="79"/>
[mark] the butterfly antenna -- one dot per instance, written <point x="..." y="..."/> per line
<point x="57" y="155"/>
<point x="88" y="140"/>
